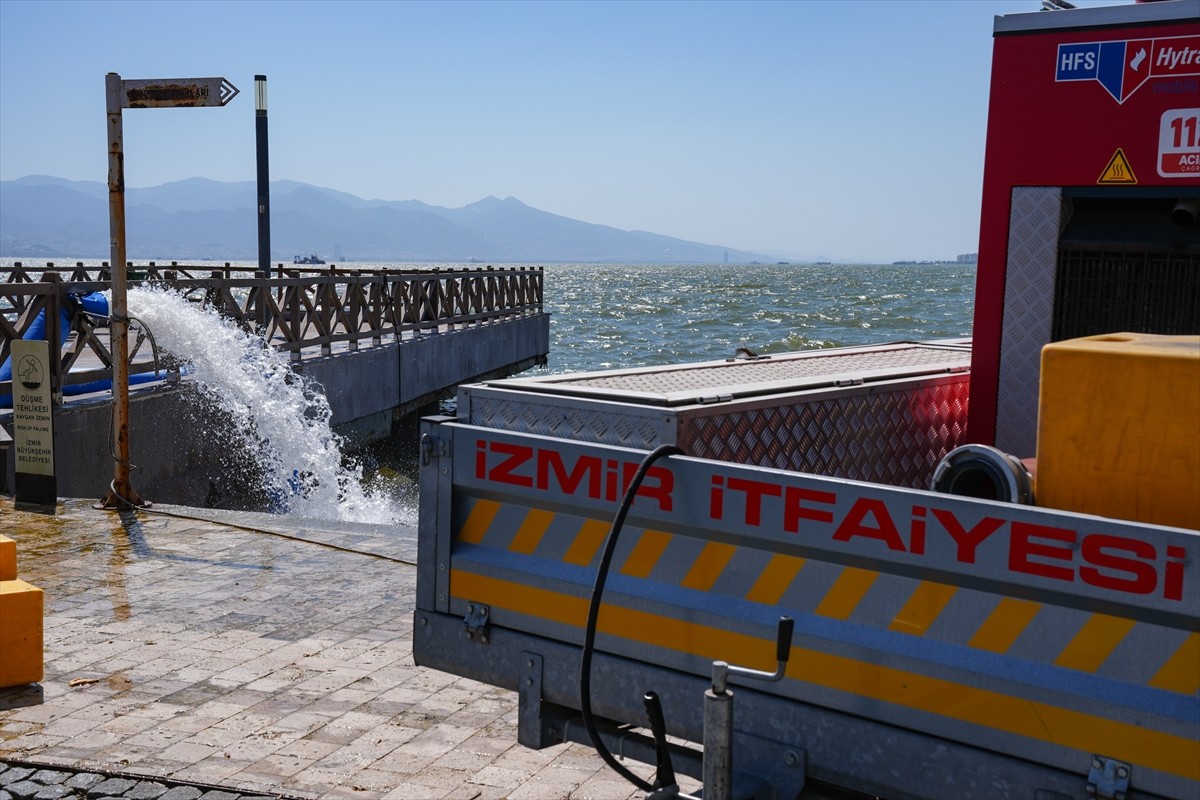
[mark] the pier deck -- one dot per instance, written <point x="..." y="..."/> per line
<point x="384" y="345"/>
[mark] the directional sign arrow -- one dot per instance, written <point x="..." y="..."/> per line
<point x="176" y="92"/>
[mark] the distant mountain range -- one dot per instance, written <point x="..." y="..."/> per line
<point x="197" y="218"/>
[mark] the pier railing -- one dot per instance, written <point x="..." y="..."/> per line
<point x="301" y="310"/>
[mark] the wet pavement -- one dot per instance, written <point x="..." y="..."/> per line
<point x="234" y="656"/>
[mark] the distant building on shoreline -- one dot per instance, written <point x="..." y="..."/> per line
<point x="965" y="258"/>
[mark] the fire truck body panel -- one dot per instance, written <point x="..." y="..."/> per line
<point x="1025" y="631"/>
<point x="1070" y="117"/>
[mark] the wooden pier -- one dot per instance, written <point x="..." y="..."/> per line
<point x="384" y="344"/>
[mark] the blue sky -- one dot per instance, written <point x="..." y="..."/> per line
<point x="843" y="130"/>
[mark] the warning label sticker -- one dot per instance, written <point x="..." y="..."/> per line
<point x="1118" y="170"/>
<point x="1121" y="67"/>
<point x="1179" y="143"/>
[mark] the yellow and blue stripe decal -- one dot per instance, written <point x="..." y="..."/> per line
<point x="1048" y="722"/>
<point x="1075" y="639"/>
<point x="691" y="597"/>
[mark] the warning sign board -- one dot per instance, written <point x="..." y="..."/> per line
<point x="33" y="424"/>
<point x="1118" y="170"/>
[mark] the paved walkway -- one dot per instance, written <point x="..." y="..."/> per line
<point x="233" y="653"/>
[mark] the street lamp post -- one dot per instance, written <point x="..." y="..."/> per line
<point x="264" y="180"/>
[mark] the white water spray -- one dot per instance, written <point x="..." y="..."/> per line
<point x="281" y="418"/>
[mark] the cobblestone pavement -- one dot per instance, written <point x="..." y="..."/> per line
<point x="188" y="651"/>
<point x="29" y="782"/>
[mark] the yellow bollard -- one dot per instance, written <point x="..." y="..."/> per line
<point x="8" y="559"/>
<point x="21" y="610"/>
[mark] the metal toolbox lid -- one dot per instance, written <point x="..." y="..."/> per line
<point x="722" y="381"/>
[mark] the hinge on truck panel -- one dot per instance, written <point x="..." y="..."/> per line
<point x="1108" y="778"/>
<point x="432" y="448"/>
<point x="476" y="621"/>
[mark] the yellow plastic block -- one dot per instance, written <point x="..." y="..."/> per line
<point x="1119" y="428"/>
<point x="20" y="633"/>
<point x="8" y="559"/>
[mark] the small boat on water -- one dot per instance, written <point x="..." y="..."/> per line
<point x="311" y="259"/>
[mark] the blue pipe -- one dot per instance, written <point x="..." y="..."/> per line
<point x="93" y="303"/>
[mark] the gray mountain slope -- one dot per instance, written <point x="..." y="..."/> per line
<point x="198" y="218"/>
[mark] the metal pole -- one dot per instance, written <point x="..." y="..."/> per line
<point x="264" y="181"/>
<point x="121" y="493"/>
<point x="718" y="737"/>
<point x="119" y="94"/>
<point x="55" y="335"/>
<point x="718" y="714"/>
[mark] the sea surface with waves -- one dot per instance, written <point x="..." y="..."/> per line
<point x="607" y="316"/>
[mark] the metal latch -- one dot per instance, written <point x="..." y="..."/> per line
<point x="432" y="447"/>
<point x="476" y="621"/>
<point x="1108" y="778"/>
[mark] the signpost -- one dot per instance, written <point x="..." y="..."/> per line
<point x="120" y="94"/>
<point x="177" y="92"/>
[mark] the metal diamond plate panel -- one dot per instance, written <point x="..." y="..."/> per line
<point x="531" y="414"/>
<point x="894" y="437"/>
<point x="779" y="371"/>
<point x="1028" y="313"/>
<point x="886" y="414"/>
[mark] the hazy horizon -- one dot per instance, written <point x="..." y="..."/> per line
<point x="167" y="219"/>
<point x="845" y="130"/>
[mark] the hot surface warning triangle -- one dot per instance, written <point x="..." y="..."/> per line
<point x="1118" y="170"/>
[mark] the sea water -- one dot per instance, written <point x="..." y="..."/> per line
<point x="613" y="316"/>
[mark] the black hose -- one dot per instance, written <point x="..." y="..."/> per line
<point x="589" y="638"/>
